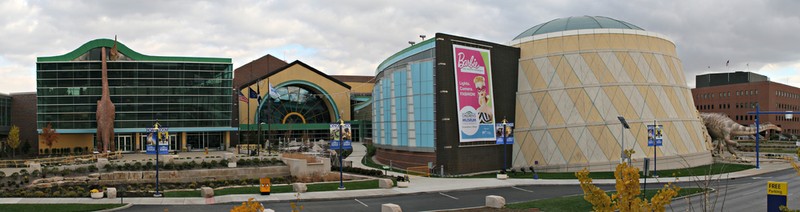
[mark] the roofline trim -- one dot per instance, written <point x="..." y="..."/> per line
<point x="408" y="51"/>
<point x="588" y="32"/>
<point x="296" y="62"/>
<point x="105" y="42"/>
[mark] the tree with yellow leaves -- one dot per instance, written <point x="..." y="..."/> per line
<point x="628" y="192"/>
<point x="250" y="206"/>
<point x="13" y="139"/>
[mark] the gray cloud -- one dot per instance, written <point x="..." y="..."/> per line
<point x="353" y="37"/>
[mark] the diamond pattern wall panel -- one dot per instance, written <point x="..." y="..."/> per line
<point x="568" y="100"/>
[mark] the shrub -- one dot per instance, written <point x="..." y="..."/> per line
<point x="109" y="167"/>
<point x="137" y="166"/>
<point x="223" y="163"/>
<point x="15" y="175"/>
<point x="77" y="150"/>
<point x="127" y="167"/>
<point x="81" y="170"/>
<point x="38" y="194"/>
<point x="71" y="194"/>
<point x="92" y="168"/>
<point x="204" y="164"/>
<point x="65" y="172"/>
<point x="148" y="165"/>
<point x="212" y="164"/>
<point x="2" y="174"/>
<point x="36" y="173"/>
<point x="46" y="151"/>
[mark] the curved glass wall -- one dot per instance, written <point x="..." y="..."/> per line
<point x="296" y="105"/>
<point x="403" y="104"/>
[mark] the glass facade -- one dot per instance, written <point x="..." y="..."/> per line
<point x="403" y="104"/>
<point x="5" y="114"/>
<point x="180" y="94"/>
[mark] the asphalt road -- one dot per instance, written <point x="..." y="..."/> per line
<point x="744" y="194"/>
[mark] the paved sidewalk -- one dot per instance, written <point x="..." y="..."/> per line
<point x="418" y="185"/>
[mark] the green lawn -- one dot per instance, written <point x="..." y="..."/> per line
<point x="57" y="207"/>
<point x="577" y="203"/>
<point x="715" y="168"/>
<point x="370" y="184"/>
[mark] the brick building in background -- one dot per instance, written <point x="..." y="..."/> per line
<point x="734" y="94"/>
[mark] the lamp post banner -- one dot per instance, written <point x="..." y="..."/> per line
<point x="347" y="136"/>
<point x="509" y="133"/>
<point x="475" y="98"/>
<point x="655" y="135"/>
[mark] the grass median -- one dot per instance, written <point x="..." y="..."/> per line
<point x="716" y="168"/>
<point x="332" y="186"/>
<point x="577" y="203"/>
<point x="57" y="207"/>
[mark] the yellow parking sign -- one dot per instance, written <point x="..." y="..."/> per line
<point x="265" y="186"/>
<point x="777" y="188"/>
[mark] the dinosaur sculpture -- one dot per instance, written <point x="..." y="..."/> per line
<point x="721" y="129"/>
<point x="105" y="108"/>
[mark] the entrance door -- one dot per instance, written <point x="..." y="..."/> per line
<point x="124" y="143"/>
<point x="174" y="143"/>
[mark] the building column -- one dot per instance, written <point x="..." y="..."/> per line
<point x="137" y="142"/>
<point x="183" y="141"/>
<point x="227" y="140"/>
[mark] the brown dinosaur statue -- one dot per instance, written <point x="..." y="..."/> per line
<point x="721" y="129"/>
<point x="105" y="109"/>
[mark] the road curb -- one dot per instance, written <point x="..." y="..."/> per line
<point x="126" y="206"/>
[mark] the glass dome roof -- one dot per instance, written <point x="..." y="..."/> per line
<point x="575" y="23"/>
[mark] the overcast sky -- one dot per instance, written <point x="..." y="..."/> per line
<point x="352" y="37"/>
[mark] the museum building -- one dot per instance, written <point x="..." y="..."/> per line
<point x="188" y="95"/>
<point x="564" y="83"/>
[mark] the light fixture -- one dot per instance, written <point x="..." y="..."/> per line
<point x="412" y="42"/>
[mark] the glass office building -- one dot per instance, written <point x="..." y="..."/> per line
<point x="189" y="95"/>
<point x="5" y="115"/>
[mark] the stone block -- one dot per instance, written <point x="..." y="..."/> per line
<point x="207" y="192"/>
<point x="94" y="175"/>
<point x="33" y="166"/>
<point x="494" y="201"/>
<point x="502" y="176"/>
<point x="385" y="183"/>
<point x="229" y="156"/>
<point x="56" y="179"/>
<point x="111" y="193"/>
<point x="403" y="184"/>
<point x="101" y="162"/>
<point x="389" y="207"/>
<point x="299" y="187"/>
<point x="231" y="164"/>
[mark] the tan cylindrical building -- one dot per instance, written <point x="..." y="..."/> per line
<point x="578" y="74"/>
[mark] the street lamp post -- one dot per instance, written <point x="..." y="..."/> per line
<point x="504" y="145"/>
<point x="341" y="140"/>
<point x="625" y="125"/>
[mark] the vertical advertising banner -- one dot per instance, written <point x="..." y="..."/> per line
<point x="655" y="135"/>
<point x="475" y="99"/>
<point x="345" y="134"/>
<point x="509" y="136"/>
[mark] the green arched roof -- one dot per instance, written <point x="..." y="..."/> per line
<point x="104" y="42"/>
<point x="575" y="23"/>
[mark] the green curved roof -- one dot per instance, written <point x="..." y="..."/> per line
<point x="104" y="42"/>
<point x="575" y="23"/>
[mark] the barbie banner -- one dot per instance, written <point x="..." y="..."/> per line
<point x="475" y="99"/>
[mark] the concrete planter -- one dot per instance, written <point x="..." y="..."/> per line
<point x="402" y="184"/>
<point x="502" y="176"/>
<point x="97" y="195"/>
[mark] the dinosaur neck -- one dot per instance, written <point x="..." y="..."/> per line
<point x="105" y="73"/>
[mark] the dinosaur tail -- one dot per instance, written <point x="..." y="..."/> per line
<point x="742" y="130"/>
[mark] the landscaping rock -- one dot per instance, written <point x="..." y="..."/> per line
<point x="299" y="187"/>
<point x="111" y="193"/>
<point x="94" y="175"/>
<point x="231" y="164"/>
<point x="101" y="162"/>
<point x="33" y="166"/>
<point x="494" y="201"/>
<point x="385" y="183"/>
<point x="389" y="207"/>
<point x="207" y="192"/>
<point x="56" y="179"/>
<point x="403" y="184"/>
